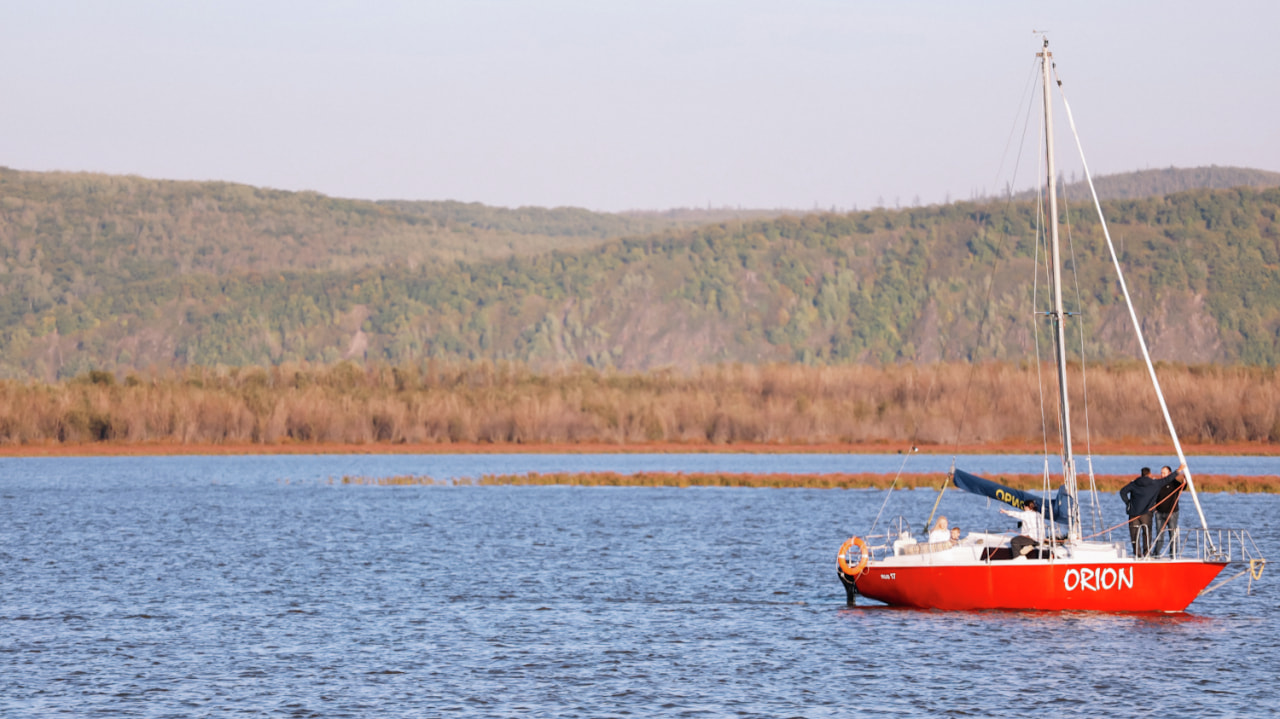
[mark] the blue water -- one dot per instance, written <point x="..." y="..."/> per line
<point x="452" y="466"/>
<point x="209" y="587"/>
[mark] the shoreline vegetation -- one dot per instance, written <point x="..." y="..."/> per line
<point x="169" y="449"/>
<point x="927" y="481"/>
<point x="437" y="407"/>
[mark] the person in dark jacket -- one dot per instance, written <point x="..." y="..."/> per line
<point x="1138" y="497"/>
<point x="1164" y="513"/>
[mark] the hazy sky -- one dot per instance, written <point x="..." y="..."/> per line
<point x="615" y="104"/>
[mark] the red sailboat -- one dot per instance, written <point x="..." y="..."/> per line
<point x="1062" y="570"/>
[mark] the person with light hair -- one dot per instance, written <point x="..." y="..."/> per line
<point x="939" y="533"/>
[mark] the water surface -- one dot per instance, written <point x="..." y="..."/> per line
<point x="451" y="466"/>
<point x="208" y="587"/>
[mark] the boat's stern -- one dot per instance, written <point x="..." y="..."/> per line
<point x="851" y="561"/>
<point x="850" y="588"/>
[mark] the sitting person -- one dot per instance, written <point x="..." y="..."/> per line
<point x="939" y="532"/>
<point x="955" y="535"/>
<point x="1031" y="525"/>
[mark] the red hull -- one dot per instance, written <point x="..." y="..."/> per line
<point x="1160" y="586"/>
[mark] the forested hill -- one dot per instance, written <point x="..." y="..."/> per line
<point x="1166" y="181"/>
<point x="106" y="228"/>
<point x="98" y="225"/>
<point x="568" y="221"/>
<point x="134" y="227"/>
<point x="882" y="286"/>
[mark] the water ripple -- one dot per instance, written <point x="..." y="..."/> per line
<point x="127" y="593"/>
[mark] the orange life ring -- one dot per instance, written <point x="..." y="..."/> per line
<point x="844" y="548"/>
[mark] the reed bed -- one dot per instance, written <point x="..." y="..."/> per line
<point x="510" y="404"/>
<point x="1105" y="483"/>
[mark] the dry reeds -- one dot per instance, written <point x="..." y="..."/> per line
<point x="1105" y="483"/>
<point x="509" y="404"/>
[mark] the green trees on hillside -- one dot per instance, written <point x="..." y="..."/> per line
<point x="168" y="284"/>
<point x="1166" y="181"/>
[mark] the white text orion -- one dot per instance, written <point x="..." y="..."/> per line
<point x="1095" y="579"/>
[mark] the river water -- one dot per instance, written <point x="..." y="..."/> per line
<point x="205" y="586"/>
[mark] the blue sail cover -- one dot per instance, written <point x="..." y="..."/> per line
<point x="1016" y="498"/>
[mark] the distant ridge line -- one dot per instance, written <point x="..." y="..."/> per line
<point x="1166" y="181"/>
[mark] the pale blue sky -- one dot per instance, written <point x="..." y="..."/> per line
<point x="617" y="105"/>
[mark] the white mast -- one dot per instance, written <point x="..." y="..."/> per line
<point x="1058" y="314"/>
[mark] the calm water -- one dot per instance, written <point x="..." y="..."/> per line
<point x="208" y="587"/>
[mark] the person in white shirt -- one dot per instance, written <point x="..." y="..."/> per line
<point x="1029" y="516"/>
<point x="939" y="533"/>
<point x="1032" y="531"/>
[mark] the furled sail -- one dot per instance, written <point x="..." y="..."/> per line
<point x="1016" y="498"/>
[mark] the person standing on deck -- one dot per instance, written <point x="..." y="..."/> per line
<point x="1138" y="496"/>
<point x="1164" y="513"/>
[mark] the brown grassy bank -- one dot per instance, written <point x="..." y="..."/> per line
<point x="487" y="405"/>
<point x="120" y="448"/>
<point x="1105" y="483"/>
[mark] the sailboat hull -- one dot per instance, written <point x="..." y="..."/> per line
<point x="1117" y="586"/>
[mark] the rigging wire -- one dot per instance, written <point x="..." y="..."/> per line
<point x="1028" y="97"/>
<point x="986" y="310"/>
<point x="915" y="436"/>
<point x="1051" y="273"/>
<point x="1035" y="295"/>
<point x="889" y="493"/>
<point x="1133" y="316"/>
<point x="1028" y="91"/>
<point x="1096" y="514"/>
<point x="1041" y="238"/>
